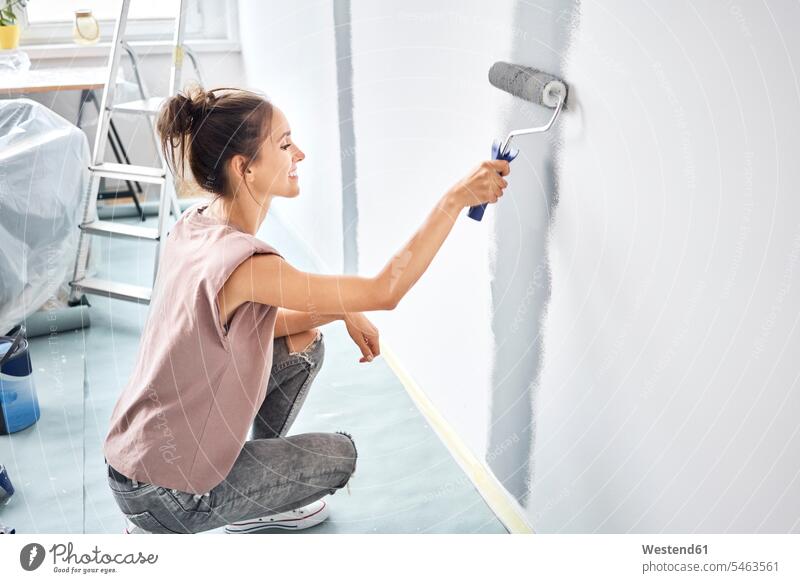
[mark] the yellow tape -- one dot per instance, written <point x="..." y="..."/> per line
<point x="487" y="485"/>
<point x="178" y="56"/>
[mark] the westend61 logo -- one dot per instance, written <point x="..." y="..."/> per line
<point x="33" y="555"/>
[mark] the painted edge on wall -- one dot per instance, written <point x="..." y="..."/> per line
<point x="507" y="510"/>
<point x="347" y="134"/>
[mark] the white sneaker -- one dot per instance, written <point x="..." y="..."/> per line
<point x="297" y="519"/>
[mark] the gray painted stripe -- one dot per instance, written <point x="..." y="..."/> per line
<point x="347" y="136"/>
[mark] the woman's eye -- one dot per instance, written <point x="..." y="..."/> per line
<point x="285" y="147"/>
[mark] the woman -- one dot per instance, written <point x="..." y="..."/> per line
<point x="231" y="343"/>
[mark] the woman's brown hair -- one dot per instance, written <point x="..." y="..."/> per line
<point x="209" y="128"/>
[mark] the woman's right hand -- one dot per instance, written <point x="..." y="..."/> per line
<point x="484" y="184"/>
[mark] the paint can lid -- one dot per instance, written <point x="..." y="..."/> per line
<point x="13" y="359"/>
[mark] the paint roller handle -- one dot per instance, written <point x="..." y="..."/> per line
<point x="476" y="212"/>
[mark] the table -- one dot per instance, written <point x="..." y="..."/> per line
<point x="52" y="79"/>
<point x="83" y="79"/>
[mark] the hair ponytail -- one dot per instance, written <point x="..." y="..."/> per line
<point x="209" y="128"/>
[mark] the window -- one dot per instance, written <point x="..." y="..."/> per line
<point x="48" y="11"/>
<point x="50" y="22"/>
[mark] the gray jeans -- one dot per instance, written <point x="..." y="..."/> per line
<point x="273" y="473"/>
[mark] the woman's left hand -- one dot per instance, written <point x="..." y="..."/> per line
<point x="364" y="334"/>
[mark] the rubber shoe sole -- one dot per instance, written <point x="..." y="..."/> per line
<point x="298" y="519"/>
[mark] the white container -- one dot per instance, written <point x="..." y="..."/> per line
<point x="86" y="30"/>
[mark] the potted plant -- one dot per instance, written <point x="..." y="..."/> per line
<point x="9" y="29"/>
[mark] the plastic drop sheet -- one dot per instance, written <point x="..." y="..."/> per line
<point x="44" y="163"/>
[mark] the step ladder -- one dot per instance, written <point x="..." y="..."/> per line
<point x="146" y="104"/>
<point x="168" y="200"/>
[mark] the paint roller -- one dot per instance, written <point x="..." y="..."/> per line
<point x="529" y="84"/>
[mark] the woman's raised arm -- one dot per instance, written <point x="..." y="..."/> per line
<point x="268" y="279"/>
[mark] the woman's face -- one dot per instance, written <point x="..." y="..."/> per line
<point x="274" y="172"/>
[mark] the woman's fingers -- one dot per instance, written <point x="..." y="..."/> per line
<point x="499" y="181"/>
<point x="364" y="334"/>
<point x="372" y="348"/>
<point x="501" y="166"/>
<point x="484" y="184"/>
<point x="366" y="351"/>
<point x="374" y="344"/>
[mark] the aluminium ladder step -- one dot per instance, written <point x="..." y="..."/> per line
<point x="129" y="172"/>
<point x="141" y="106"/>
<point x="115" y="229"/>
<point x="125" y="172"/>
<point x="113" y="289"/>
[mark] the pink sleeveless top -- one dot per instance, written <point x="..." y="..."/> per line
<point x="183" y="417"/>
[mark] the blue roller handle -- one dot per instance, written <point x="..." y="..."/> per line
<point x="476" y="212"/>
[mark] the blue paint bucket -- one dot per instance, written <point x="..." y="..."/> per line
<point x="19" y="407"/>
<point x="6" y="487"/>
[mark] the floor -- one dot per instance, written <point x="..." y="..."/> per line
<point x="406" y="481"/>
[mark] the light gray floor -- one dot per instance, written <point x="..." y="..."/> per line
<point x="406" y="481"/>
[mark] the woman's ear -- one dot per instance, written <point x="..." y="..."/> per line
<point x="238" y="165"/>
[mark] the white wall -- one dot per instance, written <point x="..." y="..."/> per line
<point x="668" y="395"/>
<point x="616" y="337"/>
<point x="289" y="54"/>
<point x="424" y="117"/>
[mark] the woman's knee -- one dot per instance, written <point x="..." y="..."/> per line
<point x="346" y="452"/>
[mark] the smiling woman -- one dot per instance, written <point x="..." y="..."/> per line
<point x="210" y="367"/>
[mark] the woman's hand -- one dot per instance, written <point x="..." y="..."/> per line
<point x="484" y="185"/>
<point x="364" y="334"/>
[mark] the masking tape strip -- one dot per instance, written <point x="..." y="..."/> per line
<point x="499" y="500"/>
<point x="177" y="56"/>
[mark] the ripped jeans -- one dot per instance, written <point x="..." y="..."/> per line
<point x="273" y="473"/>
